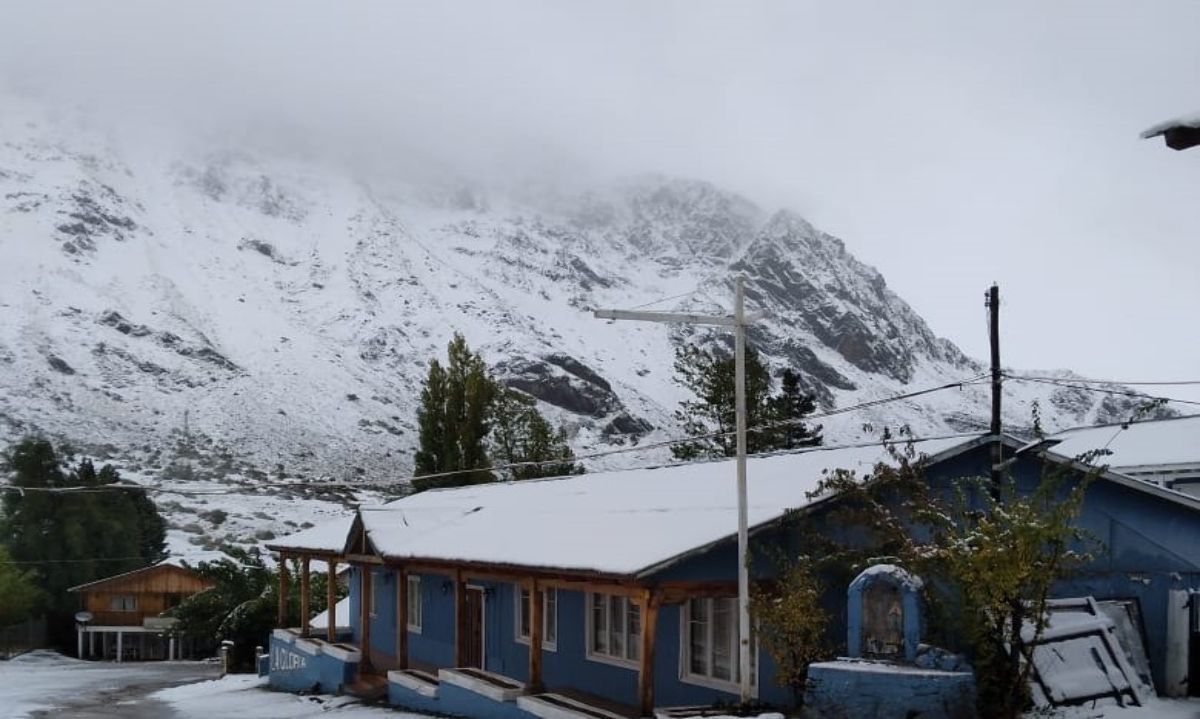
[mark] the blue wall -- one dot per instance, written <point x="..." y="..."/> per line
<point x="1148" y="545"/>
<point x="434" y="645"/>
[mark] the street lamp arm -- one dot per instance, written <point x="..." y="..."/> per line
<point x="675" y="317"/>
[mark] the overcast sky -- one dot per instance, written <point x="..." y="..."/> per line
<point x="950" y="144"/>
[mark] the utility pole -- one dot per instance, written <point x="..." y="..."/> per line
<point x="738" y="322"/>
<point x="993" y="305"/>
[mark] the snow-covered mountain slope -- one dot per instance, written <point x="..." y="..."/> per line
<point x="277" y="316"/>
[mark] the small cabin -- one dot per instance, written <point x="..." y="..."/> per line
<point x="121" y="617"/>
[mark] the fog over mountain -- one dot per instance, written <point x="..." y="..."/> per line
<point x="281" y="313"/>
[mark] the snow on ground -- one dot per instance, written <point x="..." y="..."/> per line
<point x="1156" y="709"/>
<point x="245" y="695"/>
<point x="48" y="681"/>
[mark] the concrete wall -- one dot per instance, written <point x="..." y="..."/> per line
<point x="846" y="690"/>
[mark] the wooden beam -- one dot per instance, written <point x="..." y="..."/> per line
<point x="304" y="599"/>
<point x="331" y="602"/>
<point x="460" y="618"/>
<point x="625" y="585"/>
<point x="535" y="635"/>
<point x="649" y="607"/>
<point x="281" y="620"/>
<point x="364" y="612"/>
<point x="401" y="619"/>
<point x="364" y="559"/>
<point x="675" y="592"/>
<point x="557" y="580"/>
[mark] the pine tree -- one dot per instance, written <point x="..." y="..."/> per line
<point x="454" y="420"/>
<point x="18" y="590"/>
<point x="521" y="434"/>
<point x="791" y="404"/>
<point x="73" y="538"/>
<point x="710" y="376"/>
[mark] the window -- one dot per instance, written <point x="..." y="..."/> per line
<point x="549" y="617"/>
<point x="614" y="629"/>
<point x="123" y="603"/>
<point x="414" y="604"/>
<point x="710" y="643"/>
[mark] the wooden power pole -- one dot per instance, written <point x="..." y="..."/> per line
<point x="993" y="306"/>
<point x="738" y="322"/>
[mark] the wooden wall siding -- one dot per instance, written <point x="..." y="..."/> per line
<point x="154" y="591"/>
<point x="167" y="578"/>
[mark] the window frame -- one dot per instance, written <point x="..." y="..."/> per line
<point x="732" y="686"/>
<point x="116" y="599"/>
<point x="630" y="647"/>
<point x="548" y="614"/>
<point x="414" y="596"/>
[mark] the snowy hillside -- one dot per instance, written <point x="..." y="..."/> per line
<point x="232" y="315"/>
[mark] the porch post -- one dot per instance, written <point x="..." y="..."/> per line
<point x="535" y="636"/>
<point x="331" y="602"/>
<point x="364" y="614"/>
<point x="649" y="604"/>
<point x="460" y="618"/>
<point x="401" y="618"/>
<point x="91" y="645"/>
<point x="283" y="591"/>
<point x="304" y="618"/>
<point x="79" y="641"/>
<point x="171" y="649"/>
<point x="120" y="646"/>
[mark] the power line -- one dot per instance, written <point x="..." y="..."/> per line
<point x="1162" y="383"/>
<point x="665" y="299"/>
<point x="74" y="561"/>
<point x="1071" y="384"/>
<point x="512" y="465"/>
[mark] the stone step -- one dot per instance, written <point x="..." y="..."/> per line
<point x="557" y="706"/>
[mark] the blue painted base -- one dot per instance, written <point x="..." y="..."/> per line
<point x="456" y="701"/>
<point x="886" y="691"/>
<point x="406" y="698"/>
<point x="293" y="669"/>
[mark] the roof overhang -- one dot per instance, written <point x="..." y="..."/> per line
<point x="1179" y="134"/>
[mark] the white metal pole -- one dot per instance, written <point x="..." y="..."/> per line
<point x="739" y="369"/>
<point x="739" y="321"/>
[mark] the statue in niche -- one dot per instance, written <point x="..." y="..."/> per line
<point x="883" y="622"/>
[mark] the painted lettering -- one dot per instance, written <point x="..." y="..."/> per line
<point x="286" y="660"/>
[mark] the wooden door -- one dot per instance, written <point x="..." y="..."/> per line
<point x="472" y="648"/>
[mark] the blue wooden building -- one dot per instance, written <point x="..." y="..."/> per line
<point x="613" y="594"/>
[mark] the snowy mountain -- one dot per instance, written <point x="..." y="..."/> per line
<point x="255" y="315"/>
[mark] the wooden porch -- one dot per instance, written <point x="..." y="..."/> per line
<point x="647" y="597"/>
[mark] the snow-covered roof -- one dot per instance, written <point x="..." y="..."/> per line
<point x="619" y="523"/>
<point x="1165" y="442"/>
<point x="1162" y="127"/>
<point x="638" y="521"/>
<point x="341" y="610"/>
<point x="328" y="537"/>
